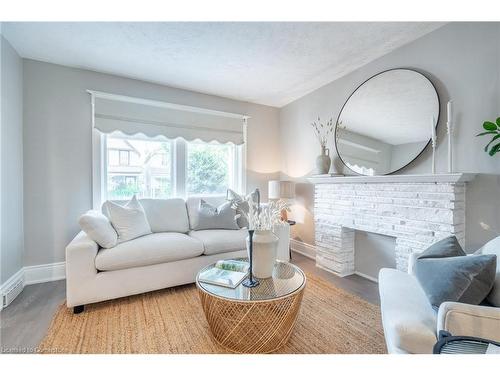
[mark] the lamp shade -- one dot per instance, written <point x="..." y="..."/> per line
<point x="281" y="189"/>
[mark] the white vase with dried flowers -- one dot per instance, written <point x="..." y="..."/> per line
<point x="322" y="132"/>
<point x="262" y="220"/>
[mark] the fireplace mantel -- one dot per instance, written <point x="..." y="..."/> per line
<point x="403" y="178"/>
<point x="416" y="210"/>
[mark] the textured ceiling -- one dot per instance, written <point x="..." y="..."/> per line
<point x="266" y="63"/>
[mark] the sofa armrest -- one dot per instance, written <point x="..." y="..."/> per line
<point x="461" y="319"/>
<point x="80" y="264"/>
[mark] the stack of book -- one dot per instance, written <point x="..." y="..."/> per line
<point x="227" y="273"/>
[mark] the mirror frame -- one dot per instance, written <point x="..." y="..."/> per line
<point x="356" y="89"/>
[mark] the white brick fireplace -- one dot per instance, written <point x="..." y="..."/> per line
<point x="415" y="209"/>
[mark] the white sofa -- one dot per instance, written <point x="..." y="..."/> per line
<point x="411" y="325"/>
<point x="172" y="255"/>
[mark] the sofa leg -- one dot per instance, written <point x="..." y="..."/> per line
<point x="78" y="309"/>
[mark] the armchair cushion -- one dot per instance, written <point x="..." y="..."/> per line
<point x="493" y="247"/>
<point x="462" y="319"/>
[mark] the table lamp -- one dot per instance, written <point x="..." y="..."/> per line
<point x="281" y="190"/>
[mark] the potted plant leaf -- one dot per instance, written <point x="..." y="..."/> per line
<point x="493" y="129"/>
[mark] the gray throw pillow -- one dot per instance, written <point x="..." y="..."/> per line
<point x="447" y="274"/>
<point x="210" y="217"/>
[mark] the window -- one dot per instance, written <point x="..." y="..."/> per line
<point x="122" y="186"/>
<point x="133" y="168"/>
<point x="209" y="168"/>
<point x="152" y="168"/>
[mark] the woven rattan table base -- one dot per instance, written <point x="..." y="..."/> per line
<point x="251" y="326"/>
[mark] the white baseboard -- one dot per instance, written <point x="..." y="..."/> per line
<point x="9" y="284"/>
<point x="303" y="248"/>
<point x="371" y="278"/>
<point x="44" y="273"/>
<point x="34" y="275"/>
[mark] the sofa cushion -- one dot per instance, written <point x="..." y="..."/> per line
<point x="166" y="215"/>
<point x="493" y="247"/>
<point x="217" y="241"/>
<point x="408" y="318"/>
<point x="147" y="250"/>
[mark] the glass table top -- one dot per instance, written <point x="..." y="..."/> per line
<point x="287" y="278"/>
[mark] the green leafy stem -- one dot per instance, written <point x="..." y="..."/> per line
<point x="493" y="129"/>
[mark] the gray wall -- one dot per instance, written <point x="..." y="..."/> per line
<point x="462" y="60"/>
<point x="11" y="235"/>
<point x="57" y="147"/>
<point x="373" y="251"/>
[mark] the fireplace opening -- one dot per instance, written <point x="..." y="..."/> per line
<point x="373" y="251"/>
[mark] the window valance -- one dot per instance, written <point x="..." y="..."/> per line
<point x="131" y="115"/>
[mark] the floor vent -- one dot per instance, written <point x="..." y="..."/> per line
<point x="12" y="293"/>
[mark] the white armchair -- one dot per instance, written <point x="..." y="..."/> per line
<point x="411" y="325"/>
<point x="462" y="319"/>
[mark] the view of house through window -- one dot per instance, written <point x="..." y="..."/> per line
<point x="137" y="166"/>
<point x="145" y="167"/>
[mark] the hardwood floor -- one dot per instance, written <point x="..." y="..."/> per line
<point x="364" y="288"/>
<point x="25" y="321"/>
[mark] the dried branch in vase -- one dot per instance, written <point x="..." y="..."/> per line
<point x="322" y="130"/>
<point x="263" y="217"/>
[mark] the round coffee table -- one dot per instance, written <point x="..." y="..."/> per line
<point x="254" y="320"/>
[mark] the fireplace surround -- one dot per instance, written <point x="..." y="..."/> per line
<point x="417" y="210"/>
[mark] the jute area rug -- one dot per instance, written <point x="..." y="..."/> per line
<point x="172" y="321"/>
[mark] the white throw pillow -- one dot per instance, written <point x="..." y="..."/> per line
<point x="98" y="228"/>
<point x="129" y="220"/>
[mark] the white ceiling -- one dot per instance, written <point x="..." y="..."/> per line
<point x="266" y="63"/>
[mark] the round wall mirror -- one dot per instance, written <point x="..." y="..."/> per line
<point x="387" y="122"/>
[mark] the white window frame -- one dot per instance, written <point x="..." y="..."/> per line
<point x="178" y="171"/>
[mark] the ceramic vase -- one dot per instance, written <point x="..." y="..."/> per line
<point x="265" y="247"/>
<point x="323" y="161"/>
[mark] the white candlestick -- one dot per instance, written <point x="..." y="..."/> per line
<point x="449" y="129"/>
<point x="433" y="143"/>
